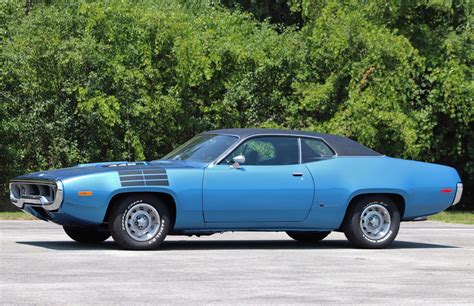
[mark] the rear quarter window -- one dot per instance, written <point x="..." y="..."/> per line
<point x="314" y="150"/>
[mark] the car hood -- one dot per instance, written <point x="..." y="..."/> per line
<point x="85" y="169"/>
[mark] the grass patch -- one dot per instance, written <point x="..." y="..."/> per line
<point x="464" y="217"/>
<point x="15" y="215"/>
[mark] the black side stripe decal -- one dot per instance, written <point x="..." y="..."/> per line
<point x="131" y="178"/>
<point x="157" y="183"/>
<point x="143" y="177"/>
<point x="156" y="177"/>
<point x="131" y="184"/>
<point x="154" y="171"/>
<point x="130" y="172"/>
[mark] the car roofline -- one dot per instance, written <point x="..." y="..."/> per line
<point x="340" y="145"/>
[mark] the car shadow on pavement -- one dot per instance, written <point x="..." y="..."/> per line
<point x="284" y="245"/>
<point x="176" y="245"/>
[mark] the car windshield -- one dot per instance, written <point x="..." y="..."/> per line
<point x="202" y="148"/>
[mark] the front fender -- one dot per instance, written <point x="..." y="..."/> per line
<point x="184" y="186"/>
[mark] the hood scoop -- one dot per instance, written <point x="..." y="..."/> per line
<point x="112" y="164"/>
<point x="124" y="164"/>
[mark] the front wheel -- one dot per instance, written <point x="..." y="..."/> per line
<point x="139" y="222"/>
<point x="86" y="234"/>
<point x="308" y="237"/>
<point x="372" y="222"/>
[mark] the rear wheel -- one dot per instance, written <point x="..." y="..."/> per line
<point x="139" y="222"/>
<point x="86" y="234"/>
<point x="372" y="222"/>
<point x="308" y="237"/>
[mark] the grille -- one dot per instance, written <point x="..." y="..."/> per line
<point x="29" y="189"/>
<point x="46" y="194"/>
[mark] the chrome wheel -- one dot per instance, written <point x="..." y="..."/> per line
<point x="375" y="221"/>
<point x="142" y="222"/>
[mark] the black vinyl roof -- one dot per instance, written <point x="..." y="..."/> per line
<point x="342" y="145"/>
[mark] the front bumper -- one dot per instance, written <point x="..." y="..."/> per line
<point x="37" y="193"/>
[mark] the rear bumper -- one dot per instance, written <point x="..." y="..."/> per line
<point x="457" y="197"/>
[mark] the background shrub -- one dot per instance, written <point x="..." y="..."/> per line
<point x="85" y="81"/>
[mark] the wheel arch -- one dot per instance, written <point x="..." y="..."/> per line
<point x="165" y="197"/>
<point x="398" y="198"/>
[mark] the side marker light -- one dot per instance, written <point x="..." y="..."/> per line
<point x="84" y="193"/>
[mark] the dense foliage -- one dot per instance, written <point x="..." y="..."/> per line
<point x="85" y="81"/>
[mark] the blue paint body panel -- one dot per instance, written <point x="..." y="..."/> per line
<point x="257" y="194"/>
<point x="208" y="197"/>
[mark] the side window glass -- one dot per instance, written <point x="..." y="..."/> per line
<point x="268" y="151"/>
<point x="313" y="150"/>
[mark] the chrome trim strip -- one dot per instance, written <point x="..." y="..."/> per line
<point x="33" y="181"/>
<point x="38" y="200"/>
<point x="13" y="200"/>
<point x="457" y="198"/>
<point x="300" y="151"/>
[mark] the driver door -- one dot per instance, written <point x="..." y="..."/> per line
<point x="270" y="186"/>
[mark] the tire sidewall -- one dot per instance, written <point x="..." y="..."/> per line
<point x="118" y="223"/>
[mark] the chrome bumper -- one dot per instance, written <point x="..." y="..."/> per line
<point x="48" y="195"/>
<point x="458" y="195"/>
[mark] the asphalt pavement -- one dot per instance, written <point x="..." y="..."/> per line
<point x="430" y="262"/>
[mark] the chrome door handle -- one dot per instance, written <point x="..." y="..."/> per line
<point x="297" y="174"/>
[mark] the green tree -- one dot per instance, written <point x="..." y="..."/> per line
<point x="87" y="80"/>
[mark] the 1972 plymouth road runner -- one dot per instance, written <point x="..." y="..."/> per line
<point x="306" y="184"/>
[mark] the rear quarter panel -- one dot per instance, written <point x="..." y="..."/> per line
<point x="340" y="179"/>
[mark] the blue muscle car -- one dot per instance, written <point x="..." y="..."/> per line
<point x="306" y="184"/>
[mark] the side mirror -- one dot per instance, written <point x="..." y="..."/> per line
<point x="237" y="161"/>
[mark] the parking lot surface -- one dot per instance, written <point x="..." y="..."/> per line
<point x="430" y="262"/>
